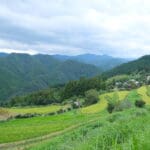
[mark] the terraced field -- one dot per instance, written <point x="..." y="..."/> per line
<point x="38" y="110"/>
<point x="31" y="128"/>
<point x="120" y="131"/>
<point x="102" y="104"/>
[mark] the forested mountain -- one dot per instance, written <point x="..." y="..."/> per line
<point x="104" y="62"/>
<point x="140" y="65"/>
<point x="70" y="91"/>
<point x="3" y="54"/>
<point x="22" y="73"/>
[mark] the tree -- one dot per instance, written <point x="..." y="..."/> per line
<point x="139" y="103"/>
<point x="91" y="97"/>
<point x="79" y="87"/>
<point x="112" y="102"/>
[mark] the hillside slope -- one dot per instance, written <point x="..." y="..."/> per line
<point x="22" y="73"/>
<point x="139" y="65"/>
<point x="104" y="62"/>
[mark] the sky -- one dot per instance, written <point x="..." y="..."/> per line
<point x="120" y="28"/>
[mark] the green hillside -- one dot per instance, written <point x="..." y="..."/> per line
<point x="139" y="65"/>
<point x="22" y="73"/>
<point x="104" y="62"/>
<point x="38" y="126"/>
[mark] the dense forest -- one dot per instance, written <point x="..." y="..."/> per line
<point x="58" y="94"/>
<point x="104" y="62"/>
<point x="139" y="65"/>
<point x="131" y="75"/>
<point x="22" y="73"/>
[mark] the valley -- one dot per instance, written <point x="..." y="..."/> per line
<point x="80" y="112"/>
<point x="74" y="75"/>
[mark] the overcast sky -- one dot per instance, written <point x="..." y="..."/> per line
<point x="120" y="28"/>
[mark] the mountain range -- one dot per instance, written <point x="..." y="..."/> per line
<point x="104" y="62"/>
<point x="23" y="73"/>
<point x="140" y="65"/>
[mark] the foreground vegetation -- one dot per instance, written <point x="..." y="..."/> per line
<point x="127" y="130"/>
<point x="95" y="119"/>
<point x="20" y="129"/>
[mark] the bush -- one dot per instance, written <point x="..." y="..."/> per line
<point x="112" y="102"/>
<point x="19" y="116"/>
<point x="69" y="109"/>
<point x="110" y="107"/>
<point x="139" y="103"/>
<point x="76" y="104"/>
<point x="91" y="97"/>
<point x="60" y="111"/>
<point x="50" y="114"/>
<point x="126" y="104"/>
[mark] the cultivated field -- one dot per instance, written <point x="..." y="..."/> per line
<point x="91" y="126"/>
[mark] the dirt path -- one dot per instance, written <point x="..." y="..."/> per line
<point x="21" y="145"/>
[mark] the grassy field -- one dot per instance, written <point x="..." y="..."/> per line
<point x="119" y="131"/>
<point x="142" y="92"/>
<point x="38" y="110"/>
<point x="22" y="129"/>
<point x="6" y="113"/>
<point x="102" y="104"/>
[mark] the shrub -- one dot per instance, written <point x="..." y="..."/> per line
<point x="139" y="103"/>
<point x="110" y="107"/>
<point x="50" y="114"/>
<point x="126" y="104"/>
<point x="69" y="109"/>
<point x="19" y="116"/>
<point x="60" y="111"/>
<point x="75" y="104"/>
<point x="91" y="97"/>
<point x="112" y="102"/>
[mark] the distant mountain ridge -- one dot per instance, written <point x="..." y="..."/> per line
<point x="140" y="65"/>
<point x="104" y="62"/>
<point x="23" y="73"/>
<point x="3" y="54"/>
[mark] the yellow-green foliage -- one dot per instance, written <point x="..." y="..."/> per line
<point x="102" y="104"/>
<point x="38" y="110"/>
<point x="4" y="114"/>
<point x="20" y="129"/>
<point x="27" y="128"/>
<point x="142" y="91"/>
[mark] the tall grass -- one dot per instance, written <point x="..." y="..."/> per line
<point x="129" y="130"/>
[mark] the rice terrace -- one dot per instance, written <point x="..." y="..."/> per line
<point x="74" y="75"/>
<point x="51" y="132"/>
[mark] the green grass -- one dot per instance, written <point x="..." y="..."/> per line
<point x="142" y="91"/>
<point x="22" y="129"/>
<point x="119" y="131"/>
<point x="133" y="96"/>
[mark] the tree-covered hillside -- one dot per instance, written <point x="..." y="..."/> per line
<point x="22" y="73"/>
<point x="138" y="66"/>
<point x="104" y="62"/>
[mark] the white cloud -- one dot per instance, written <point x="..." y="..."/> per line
<point x="118" y="27"/>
